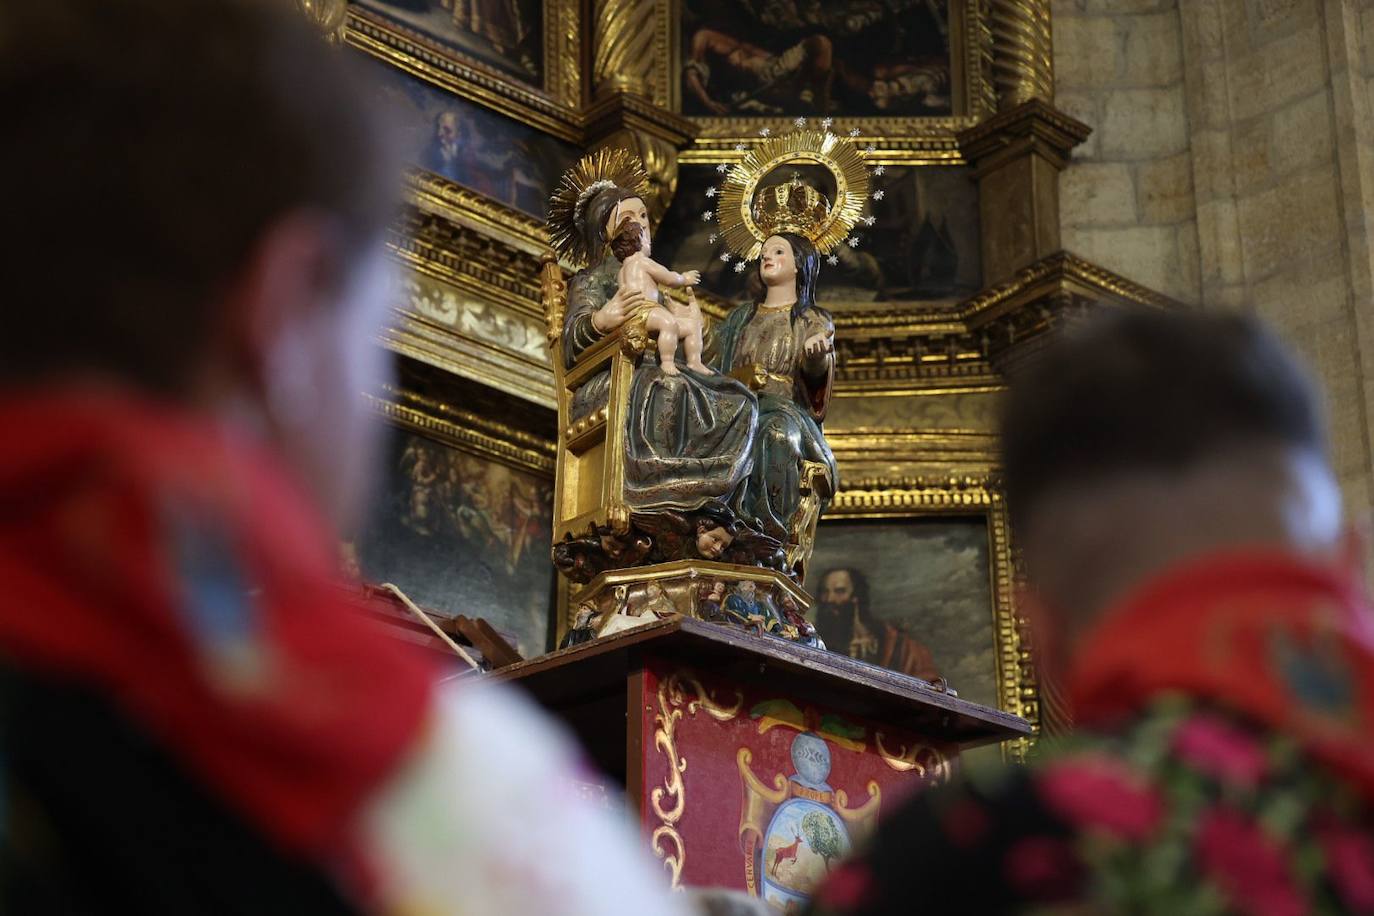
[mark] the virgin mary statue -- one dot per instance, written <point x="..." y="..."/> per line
<point x="742" y="437"/>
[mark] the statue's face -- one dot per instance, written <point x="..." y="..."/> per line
<point x="777" y="266"/>
<point x="712" y="542"/>
<point x="637" y="211"/>
<point x="837" y="588"/>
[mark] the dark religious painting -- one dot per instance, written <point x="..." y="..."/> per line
<point x="465" y="535"/>
<point x="922" y="247"/>
<point x="913" y="595"/>
<point x="751" y="58"/>
<point x="493" y="155"/>
<point x="505" y="34"/>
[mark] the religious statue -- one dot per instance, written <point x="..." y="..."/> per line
<point x="672" y="322"/>
<point x="724" y="460"/>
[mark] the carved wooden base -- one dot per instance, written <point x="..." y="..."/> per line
<point x="747" y="597"/>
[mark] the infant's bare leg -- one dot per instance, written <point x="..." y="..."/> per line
<point x="664" y="323"/>
<point x="690" y="331"/>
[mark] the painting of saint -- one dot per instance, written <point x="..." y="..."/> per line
<point x="923" y="246"/>
<point x="463" y="534"/>
<point x="751" y="58"/>
<point x="505" y="34"/>
<point x="510" y="162"/>
<point x="912" y="595"/>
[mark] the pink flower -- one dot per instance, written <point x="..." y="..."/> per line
<point x="1043" y="868"/>
<point x="846" y="888"/>
<point x="1220" y="750"/>
<point x="1099" y="792"/>
<point x="1350" y="865"/>
<point x="1247" y="864"/>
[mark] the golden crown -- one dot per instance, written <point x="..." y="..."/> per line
<point x="748" y="215"/>
<point x="793" y="206"/>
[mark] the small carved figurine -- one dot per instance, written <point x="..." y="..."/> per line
<point x="709" y="603"/>
<point x="583" y="628"/>
<point x="657" y="603"/>
<point x="747" y="609"/>
<point x="805" y="630"/>
<point x="672" y="321"/>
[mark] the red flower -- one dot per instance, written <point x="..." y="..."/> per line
<point x="846" y="888"/>
<point x="1043" y="868"/>
<point x="1221" y="750"/>
<point x="1350" y="865"/>
<point x="1247" y="864"/>
<point x="1099" y="792"/>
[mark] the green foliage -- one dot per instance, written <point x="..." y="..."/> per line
<point x="822" y="836"/>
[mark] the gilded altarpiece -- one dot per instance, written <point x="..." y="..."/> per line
<point x="966" y="280"/>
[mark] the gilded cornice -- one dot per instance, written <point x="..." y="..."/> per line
<point x="493" y="252"/>
<point x="554" y="112"/>
<point x="1006" y="134"/>
<point x="464" y="429"/>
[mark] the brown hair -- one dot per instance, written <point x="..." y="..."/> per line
<point x="628" y="239"/>
<point x="149" y="146"/>
<point x="1150" y="391"/>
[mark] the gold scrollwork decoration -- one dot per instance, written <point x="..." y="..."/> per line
<point x="677" y="692"/>
<point x="905" y="759"/>
<point x="672" y="858"/>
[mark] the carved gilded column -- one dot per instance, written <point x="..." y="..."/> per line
<point x="630" y="50"/>
<point x="329" y="16"/>
<point x="1023" y="52"/>
<point x="631" y="88"/>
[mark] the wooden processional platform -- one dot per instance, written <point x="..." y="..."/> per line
<point x="752" y="762"/>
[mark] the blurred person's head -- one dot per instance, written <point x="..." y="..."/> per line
<point x="193" y="205"/>
<point x="1141" y="440"/>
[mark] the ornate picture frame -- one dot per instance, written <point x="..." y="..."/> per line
<point x="900" y="140"/>
<point x="960" y="496"/>
<point x="462" y="521"/>
<point x="553" y="108"/>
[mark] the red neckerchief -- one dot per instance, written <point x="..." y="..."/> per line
<point x="179" y="571"/>
<point x="1270" y="636"/>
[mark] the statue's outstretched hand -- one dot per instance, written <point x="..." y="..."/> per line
<point x="691" y="277"/>
<point x="819" y="344"/>
<point x="617" y="310"/>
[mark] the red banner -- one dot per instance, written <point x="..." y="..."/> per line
<point x="752" y="790"/>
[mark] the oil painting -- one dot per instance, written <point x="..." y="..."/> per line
<point x="510" y="162"/>
<point x="913" y="595"/>
<point x="505" y="34"/>
<point x="753" y="58"/>
<point x="923" y="245"/>
<point x="463" y="534"/>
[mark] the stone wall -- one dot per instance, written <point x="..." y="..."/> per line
<point x="1233" y="166"/>
<point x="1127" y="201"/>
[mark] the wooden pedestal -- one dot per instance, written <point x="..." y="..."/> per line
<point x="753" y="762"/>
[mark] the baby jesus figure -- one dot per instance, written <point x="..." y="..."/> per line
<point x="670" y="320"/>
